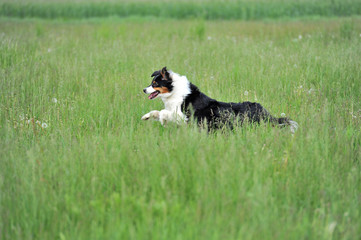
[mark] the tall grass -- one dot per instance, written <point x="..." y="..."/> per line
<point x="246" y="10"/>
<point x="98" y="172"/>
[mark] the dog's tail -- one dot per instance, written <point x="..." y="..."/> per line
<point x="279" y="122"/>
<point x="285" y="122"/>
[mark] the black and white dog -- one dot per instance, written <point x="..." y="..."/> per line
<point x="182" y="100"/>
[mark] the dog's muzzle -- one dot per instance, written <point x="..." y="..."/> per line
<point x="150" y="90"/>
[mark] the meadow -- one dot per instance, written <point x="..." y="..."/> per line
<point x="76" y="161"/>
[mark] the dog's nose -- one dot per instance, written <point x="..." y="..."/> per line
<point x="144" y="90"/>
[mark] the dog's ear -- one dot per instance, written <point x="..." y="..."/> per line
<point x="156" y="73"/>
<point x="164" y="73"/>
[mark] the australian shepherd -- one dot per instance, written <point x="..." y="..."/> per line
<point x="182" y="100"/>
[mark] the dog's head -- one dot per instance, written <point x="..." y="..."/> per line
<point x="161" y="84"/>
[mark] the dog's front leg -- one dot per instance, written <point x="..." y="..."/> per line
<point x="151" y="115"/>
<point x="162" y="116"/>
<point x="165" y="116"/>
<point x="170" y="116"/>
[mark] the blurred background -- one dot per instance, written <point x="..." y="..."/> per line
<point x="183" y="9"/>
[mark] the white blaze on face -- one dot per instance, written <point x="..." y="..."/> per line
<point x="149" y="90"/>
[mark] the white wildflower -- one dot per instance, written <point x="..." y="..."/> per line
<point x="38" y="122"/>
<point x="295" y="65"/>
<point x="283" y="114"/>
<point x="44" y="125"/>
<point x="245" y="93"/>
<point x="212" y="77"/>
<point x="21" y="116"/>
<point x="49" y="50"/>
<point x="209" y="38"/>
<point x="300" y="37"/>
<point x="28" y="121"/>
<point x="54" y="100"/>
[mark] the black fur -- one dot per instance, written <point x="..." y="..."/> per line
<point x="218" y="114"/>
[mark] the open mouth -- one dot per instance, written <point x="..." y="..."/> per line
<point x="153" y="94"/>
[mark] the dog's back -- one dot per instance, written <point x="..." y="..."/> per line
<point x="218" y="114"/>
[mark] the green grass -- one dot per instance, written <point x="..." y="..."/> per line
<point x="244" y="9"/>
<point x="98" y="172"/>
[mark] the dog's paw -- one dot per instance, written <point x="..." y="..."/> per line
<point x="152" y="114"/>
<point x="146" y="117"/>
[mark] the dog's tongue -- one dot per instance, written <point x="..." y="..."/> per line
<point x="153" y="95"/>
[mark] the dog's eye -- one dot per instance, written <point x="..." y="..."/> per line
<point x="155" y="83"/>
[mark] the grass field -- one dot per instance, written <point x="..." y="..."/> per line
<point x="78" y="163"/>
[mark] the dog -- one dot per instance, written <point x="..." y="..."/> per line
<point x="182" y="100"/>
